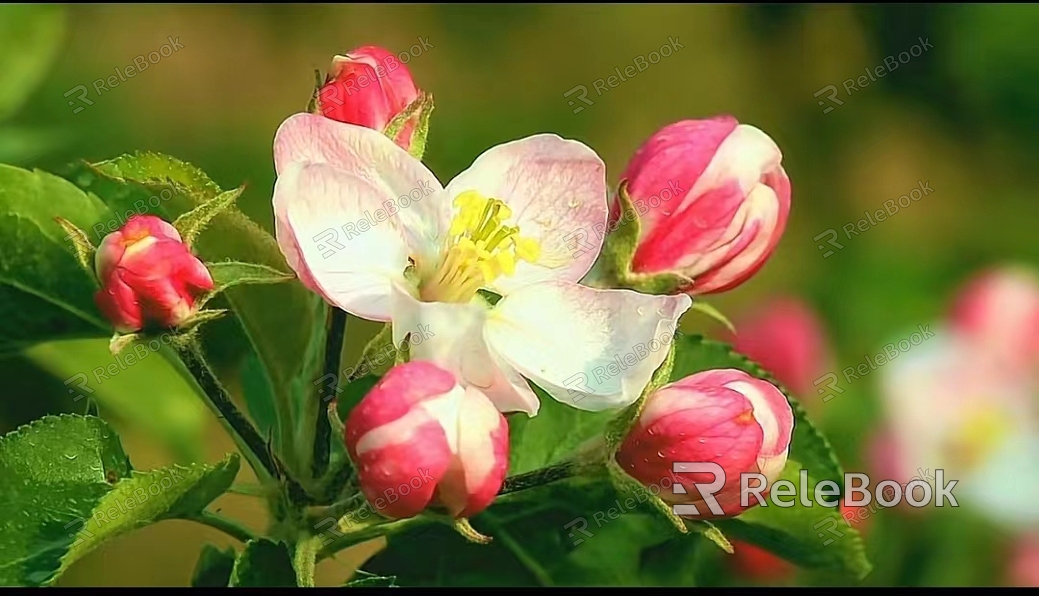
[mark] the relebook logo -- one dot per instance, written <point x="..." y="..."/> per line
<point x="785" y="493"/>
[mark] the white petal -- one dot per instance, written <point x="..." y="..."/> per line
<point x="478" y="419"/>
<point x="314" y="202"/>
<point x="557" y="191"/>
<point x="451" y="335"/>
<point x="410" y="188"/>
<point x="745" y="156"/>
<point x="589" y="348"/>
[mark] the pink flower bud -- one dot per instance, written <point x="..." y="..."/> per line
<point x="148" y="276"/>
<point x="725" y="417"/>
<point x="998" y="311"/>
<point x="786" y="337"/>
<point x="712" y="199"/>
<point x="419" y="439"/>
<point x="369" y="87"/>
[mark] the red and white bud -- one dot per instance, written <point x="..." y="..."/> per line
<point x="724" y="417"/>
<point x="419" y="440"/>
<point x="148" y="276"/>
<point x="712" y="200"/>
<point x="369" y="87"/>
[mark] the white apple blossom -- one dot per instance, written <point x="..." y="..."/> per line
<point x="345" y="226"/>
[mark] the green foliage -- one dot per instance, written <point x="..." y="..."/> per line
<point x="232" y="273"/>
<point x="263" y="564"/>
<point x="191" y="224"/>
<point x="45" y="293"/>
<point x="553" y="435"/>
<point x="55" y="471"/>
<point x="149" y="497"/>
<point x="68" y="486"/>
<point x="214" y="566"/>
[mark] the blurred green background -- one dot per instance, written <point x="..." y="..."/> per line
<point x="961" y="117"/>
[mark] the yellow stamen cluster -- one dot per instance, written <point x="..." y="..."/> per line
<point x="980" y="435"/>
<point x="479" y="248"/>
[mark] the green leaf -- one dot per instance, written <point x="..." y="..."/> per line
<point x="397" y="124"/>
<point x="264" y="564"/>
<point x="619" y="246"/>
<point x="259" y="400"/>
<point x="712" y="312"/>
<point x="795" y="533"/>
<point x="146" y="498"/>
<point x="232" y="273"/>
<point x="553" y="436"/>
<point x="814" y="537"/>
<point x="81" y="245"/>
<point x="45" y="293"/>
<point x="191" y="224"/>
<point x="30" y="37"/>
<point x="162" y="171"/>
<point x="54" y="470"/>
<point x="214" y="566"/>
<point x="417" y="148"/>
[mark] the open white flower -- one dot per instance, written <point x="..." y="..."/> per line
<point x="372" y="230"/>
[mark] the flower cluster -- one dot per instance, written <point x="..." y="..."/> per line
<point x="483" y="263"/>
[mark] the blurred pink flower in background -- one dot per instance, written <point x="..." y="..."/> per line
<point x="1023" y="570"/>
<point x="999" y="311"/>
<point x="966" y="401"/>
<point x="788" y="339"/>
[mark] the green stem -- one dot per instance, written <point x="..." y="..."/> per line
<point x="245" y="435"/>
<point x="544" y="476"/>
<point x="368" y="532"/>
<point x="304" y="560"/>
<point x="228" y="526"/>
<point x="333" y="357"/>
